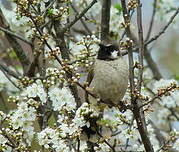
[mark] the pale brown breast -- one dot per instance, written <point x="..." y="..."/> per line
<point x="110" y="79"/>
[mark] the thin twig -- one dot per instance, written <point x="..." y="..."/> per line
<point x="151" y="21"/>
<point x="159" y="95"/>
<point x="15" y="35"/>
<point x="164" y="28"/>
<point x="130" y="126"/>
<point x="141" y="45"/>
<point x="143" y="129"/>
<point x="164" y="145"/>
<point x="10" y="72"/>
<point x="107" y="143"/>
<point x="78" y="17"/>
<point x="152" y="65"/>
<point x="147" y="54"/>
<point x="78" y="145"/>
<point x="130" y="53"/>
<point x="138" y="115"/>
<point x="82" y="21"/>
<point x="124" y="33"/>
<point x="13" y="144"/>
<point x="48" y="7"/>
<point x="7" y="76"/>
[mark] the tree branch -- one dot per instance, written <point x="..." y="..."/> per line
<point x="48" y="7"/>
<point x="138" y="114"/>
<point x="82" y="21"/>
<point x="159" y="95"/>
<point x="15" y="35"/>
<point x="152" y="65"/>
<point x="164" y="28"/>
<point x="141" y="44"/>
<point x="7" y="76"/>
<point x="78" y="17"/>
<point x="10" y="72"/>
<point x="130" y="52"/>
<point x="105" y="19"/>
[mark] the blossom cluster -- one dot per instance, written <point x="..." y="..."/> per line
<point x="20" y="130"/>
<point x="45" y="109"/>
<point x="85" y="50"/>
<point x="51" y="139"/>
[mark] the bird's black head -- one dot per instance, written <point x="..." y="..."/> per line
<point x="108" y="52"/>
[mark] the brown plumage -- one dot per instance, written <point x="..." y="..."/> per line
<point x="108" y="79"/>
<point x="109" y="75"/>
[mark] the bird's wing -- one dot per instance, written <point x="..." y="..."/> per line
<point x="88" y="80"/>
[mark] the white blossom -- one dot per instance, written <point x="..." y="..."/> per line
<point x="83" y="114"/>
<point x="90" y="40"/>
<point x="36" y="90"/>
<point x="23" y="119"/>
<point x="162" y="84"/>
<point x="168" y="101"/>
<point x="64" y="129"/>
<point x="116" y="117"/>
<point x="51" y="138"/>
<point x="61" y="98"/>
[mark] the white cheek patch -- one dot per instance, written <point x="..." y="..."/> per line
<point x="114" y="54"/>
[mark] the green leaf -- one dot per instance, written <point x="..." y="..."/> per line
<point x="118" y="7"/>
<point x="50" y="12"/>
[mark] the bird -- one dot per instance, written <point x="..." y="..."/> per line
<point x="108" y="77"/>
<point x="108" y="80"/>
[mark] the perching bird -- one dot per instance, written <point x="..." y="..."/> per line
<point x="108" y="78"/>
